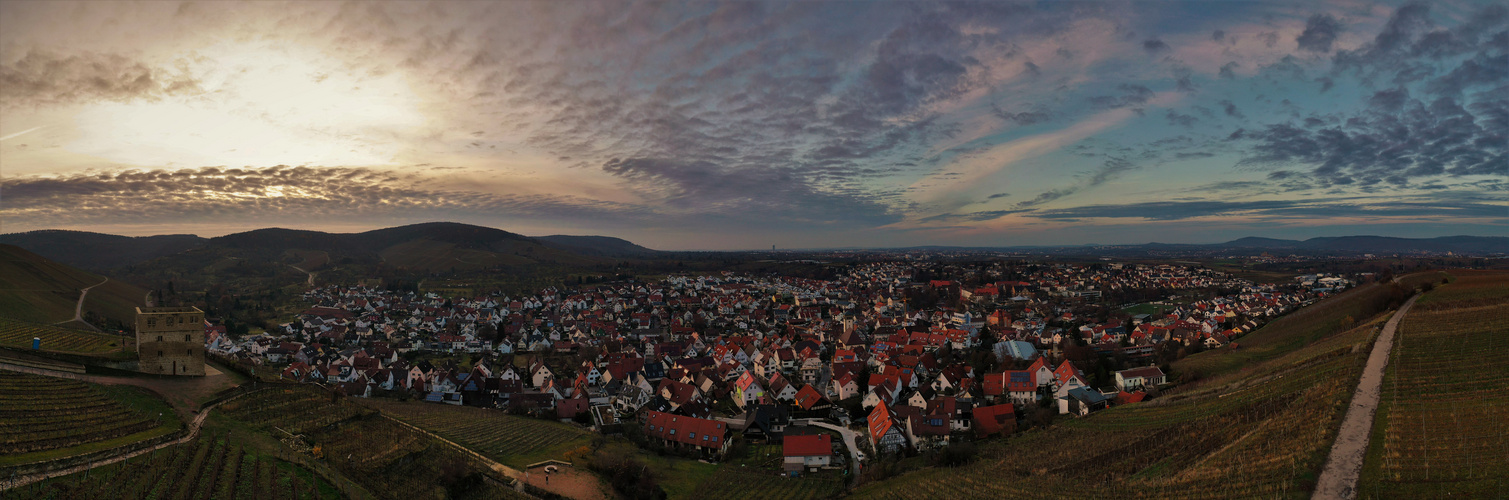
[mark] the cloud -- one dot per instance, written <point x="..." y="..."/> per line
<point x="217" y="194"/>
<point x="1154" y="46"/>
<point x="1231" y="109"/>
<point x="1187" y="121"/>
<point x="1320" y="32"/>
<point x="1132" y="95"/>
<point x="1279" y="209"/>
<point x="1021" y="117"/>
<point x="998" y="195"/>
<point x="1228" y="70"/>
<point x="43" y="78"/>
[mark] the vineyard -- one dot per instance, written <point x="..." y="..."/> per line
<point x="295" y="409"/>
<point x="381" y="456"/>
<point x="398" y="463"/>
<point x="205" y="468"/>
<point x="1264" y="432"/>
<point x="45" y="417"/>
<point x="1295" y="330"/>
<point x="510" y="440"/>
<point x="1441" y="429"/>
<point x="16" y="333"/>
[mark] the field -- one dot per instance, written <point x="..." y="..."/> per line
<point x="1294" y="330"/>
<point x="758" y="474"/>
<point x="294" y="409"/>
<point x="375" y="454"/>
<point x="16" y="333"/>
<point x="44" y="418"/>
<point x="1440" y="429"/>
<point x="35" y="289"/>
<point x="210" y="467"/>
<point x="1262" y="432"/>
<point x="510" y="440"/>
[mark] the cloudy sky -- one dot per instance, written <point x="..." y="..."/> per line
<point x="700" y="125"/>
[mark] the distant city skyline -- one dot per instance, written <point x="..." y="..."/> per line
<point x="742" y="125"/>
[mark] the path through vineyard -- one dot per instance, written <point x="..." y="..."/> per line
<point x="78" y="310"/>
<point x="193" y="432"/>
<point x="1339" y="479"/>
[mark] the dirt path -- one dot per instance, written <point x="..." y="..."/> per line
<point x="311" y="275"/>
<point x="1339" y="479"/>
<point x="78" y="310"/>
<point x="569" y="483"/>
<point x="194" y="425"/>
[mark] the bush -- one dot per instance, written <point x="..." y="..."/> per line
<point x="954" y="455"/>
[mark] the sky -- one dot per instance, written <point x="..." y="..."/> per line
<point x="742" y="125"/>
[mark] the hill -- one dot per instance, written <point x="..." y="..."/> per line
<point x="597" y="245"/>
<point x="35" y="289"/>
<point x="1259" y="432"/>
<point x="100" y="252"/>
<point x="1381" y="244"/>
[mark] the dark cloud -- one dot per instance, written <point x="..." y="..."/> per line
<point x="41" y="78"/>
<point x="1228" y="70"/>
<point x="1021" y="117"/>
<point x="1279" y="209"/>
<point x="218" y="194"/>
<point x="1326" y="83"/>
<point x="1218" y="35"/>
<point x="1154" y="46"/>
<point x="1397" y="139"/>
<point x="706" y="188"/>
<point x="1390" y="44"/>
<point x="998" y="195"/>
<point x="1320" y="32"/>
<point x="1111" y="169"/>
<point x="1231" y="109"/>
<point x="1182" y="120"/>
<point x="972" y="216"/>
<point x="1132" y="95"/>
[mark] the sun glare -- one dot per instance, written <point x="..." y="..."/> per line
<point x="260" y="106"/>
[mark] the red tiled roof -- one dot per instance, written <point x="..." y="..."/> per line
<point x="808" y="445"/>
<point x="686" y="430"/>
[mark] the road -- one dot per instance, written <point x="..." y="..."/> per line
<point x="565" y="486"/>
<point x="1339" y="479"/>
<point x="78" y="310"/>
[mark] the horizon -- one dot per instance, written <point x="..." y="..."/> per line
<point x="777" y="249"/>
<point x="731" y="126"/>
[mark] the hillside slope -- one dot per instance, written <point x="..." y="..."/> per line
<point x="100" y="252"/>
<point x="33" y="288"/>
<point x="1261" y="432"/>
<point x="597" y="245"/>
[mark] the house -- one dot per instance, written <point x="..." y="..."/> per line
<point x="1082" y="401"/>
<point x="676" y="431"/>
<point x="886" y="434"/>
<point x="809" y="400"/>
<point x="767" y="421"/>
<point x="995" y="420"/>
<point x="747" y="390"/>
<point x="1137" y="378"/>
<point x="844" y="387"/>
<point x="809" y="451"/>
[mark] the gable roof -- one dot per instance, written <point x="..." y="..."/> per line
<point x="808" y="445"/>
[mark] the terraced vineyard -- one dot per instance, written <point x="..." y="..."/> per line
<point x="395" y="462"/>
<point x="18" y="333"/>
<point x="45" y="417"/>
<point x="207" y="468"/>
<point x="1441" y="428"/>
<point x="734" y="483"/>
<point x="296" y="409"/>
<point x="511" y="440"/>
<point x="1263" y="432"/>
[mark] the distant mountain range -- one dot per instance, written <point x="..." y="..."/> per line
<point x="428" y="246"/>
<point x="1329" y="245"/>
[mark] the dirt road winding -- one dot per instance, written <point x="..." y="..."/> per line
<point x="1339" y="479"/>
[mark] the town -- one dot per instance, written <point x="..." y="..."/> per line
<point x="896" y="356"/>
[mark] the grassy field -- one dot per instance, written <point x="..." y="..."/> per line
<point x="753" y="473"/>
<point x="1441" y="428"/>
<point x="510" y="440"/>
<point x="295" y="409"/>
<point x="1261" y="432"/>
<point x="17" y="333"/>
<point x="44" y="418"/>
<point x="1293" y="330"/>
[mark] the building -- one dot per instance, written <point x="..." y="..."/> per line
<point x="1137" y="378"/>
<point x="809" y="451"/>
<point x="676" y="431"/>
<point x="170" y="340"/>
